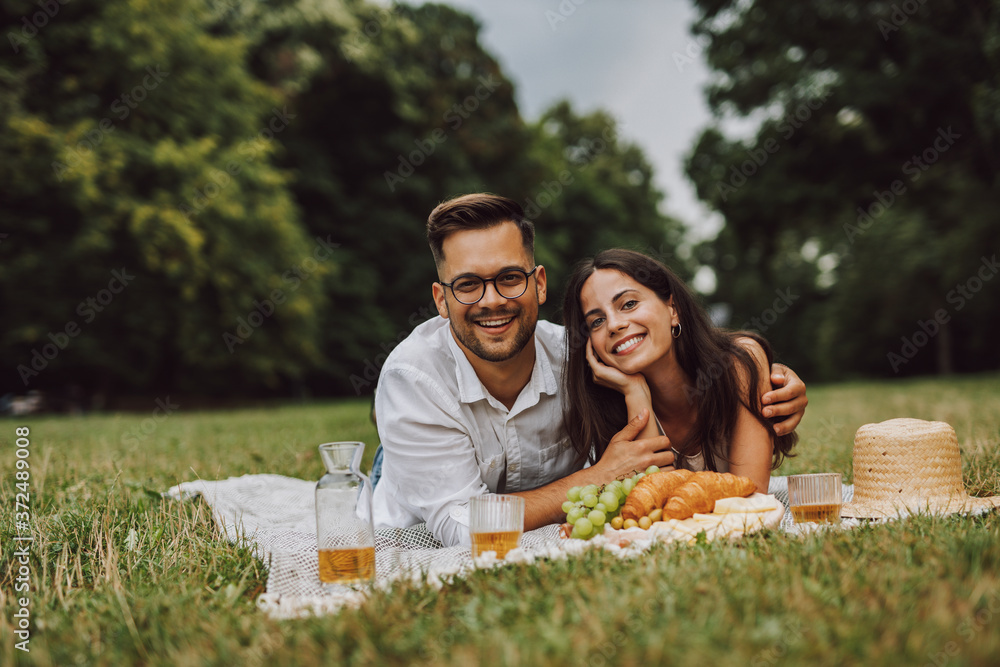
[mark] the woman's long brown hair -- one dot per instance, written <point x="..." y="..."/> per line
<point x="709" y="356"/>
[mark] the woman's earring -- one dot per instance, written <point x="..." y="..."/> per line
<point x="675" y="330"/>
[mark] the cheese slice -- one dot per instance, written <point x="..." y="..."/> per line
<point x="758" y="502"/>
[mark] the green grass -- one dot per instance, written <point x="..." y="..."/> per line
<point x="923" y="591"/>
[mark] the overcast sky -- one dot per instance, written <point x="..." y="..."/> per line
<point x="618" y="55"/>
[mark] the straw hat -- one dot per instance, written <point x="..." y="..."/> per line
<point x="909" y="465"/>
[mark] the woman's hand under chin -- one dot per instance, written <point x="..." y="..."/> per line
<point x="612" y="378"/>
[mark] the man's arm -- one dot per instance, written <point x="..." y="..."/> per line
<point x="429" y="458"/>
<point x="624" y="455"/>
<point x="787" y="399"/>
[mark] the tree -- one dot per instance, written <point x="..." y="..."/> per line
<point x="875" y="155"/>
<point x="400" y="108"/>
<point x="397" y="108"/>
<point x="150" y="236"/>
<point x="594" y="191"/>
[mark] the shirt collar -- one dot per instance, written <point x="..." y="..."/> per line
<point x="471" y="389"/>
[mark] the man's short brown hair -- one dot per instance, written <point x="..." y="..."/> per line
<point x="480" y="210"/>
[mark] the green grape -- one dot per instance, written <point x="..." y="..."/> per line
<point x="590" y="488"/>
<point x="576" y="514"/>
<point x="575" y="534"/>
<point x="567" y="506"/>
<point x="651" y="469"/>
<point x="627" y="485"/>
<point x="590" y="500"/>
<point x="609" y="500"/>
<point x="574" y="494"/>
<point x="601" y="506"/>
<point x="584" y="527"/>
<point x="597" y="518"/>
<point x="638" y="476"/>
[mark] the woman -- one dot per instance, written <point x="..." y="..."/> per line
<point x="635" y="330"/>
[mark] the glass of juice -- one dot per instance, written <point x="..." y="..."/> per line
<point x="496" y="522"/>
<point x="815" y="498"/>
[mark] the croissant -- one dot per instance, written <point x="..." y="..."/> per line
<point x="652" y="491"/>
<point x="698" y="494"/>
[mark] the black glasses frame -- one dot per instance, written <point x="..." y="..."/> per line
<point x="526" y="274"/>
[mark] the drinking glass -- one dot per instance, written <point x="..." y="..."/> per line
<point x="815" y="498"/>
<point x="496" y="522"/>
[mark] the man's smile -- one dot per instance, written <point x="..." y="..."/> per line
<point x="495" y="323"/>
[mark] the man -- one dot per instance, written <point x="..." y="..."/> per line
<point x="470" y="403"/>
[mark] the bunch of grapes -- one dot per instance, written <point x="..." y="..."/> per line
<point x="589" y="507"/>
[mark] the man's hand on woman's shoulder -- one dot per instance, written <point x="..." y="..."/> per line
<point x="787" y="399"/>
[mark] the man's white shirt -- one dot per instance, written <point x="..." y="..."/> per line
<point x="445" y="439"/>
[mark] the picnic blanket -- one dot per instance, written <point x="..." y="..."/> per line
<point x="275" y="516"/>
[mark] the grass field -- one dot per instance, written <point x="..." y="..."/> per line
<point x="119" y="576"/>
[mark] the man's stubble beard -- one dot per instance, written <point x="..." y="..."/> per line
<point x="467" y="336"/>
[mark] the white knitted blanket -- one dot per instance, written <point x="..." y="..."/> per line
<point x="275" y="516"/>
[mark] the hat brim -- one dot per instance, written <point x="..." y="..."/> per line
<point x="884" y="509"/>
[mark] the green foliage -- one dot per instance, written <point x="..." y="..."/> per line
<point x="397" y="109"/>
<point x="594" y="191"/>
<point x="136" y="141"/>
<point x="869" y="184"/>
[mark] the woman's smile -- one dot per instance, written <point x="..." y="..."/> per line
<point x="629" y="344"/>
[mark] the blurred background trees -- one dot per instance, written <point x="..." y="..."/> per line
<point x="267" y="189"/>
<point x="869" y="185"/>
<point x="258" y="174"/>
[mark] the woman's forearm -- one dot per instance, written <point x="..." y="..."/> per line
<point x="636" y="399"/>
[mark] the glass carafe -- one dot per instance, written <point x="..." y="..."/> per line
<point x="344" y="528"/>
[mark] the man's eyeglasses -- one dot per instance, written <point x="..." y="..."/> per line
<point x="509" y="284"/>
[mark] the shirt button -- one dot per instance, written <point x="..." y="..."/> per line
<point x="512" y="467"/>
<point x="455" y="512"/>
